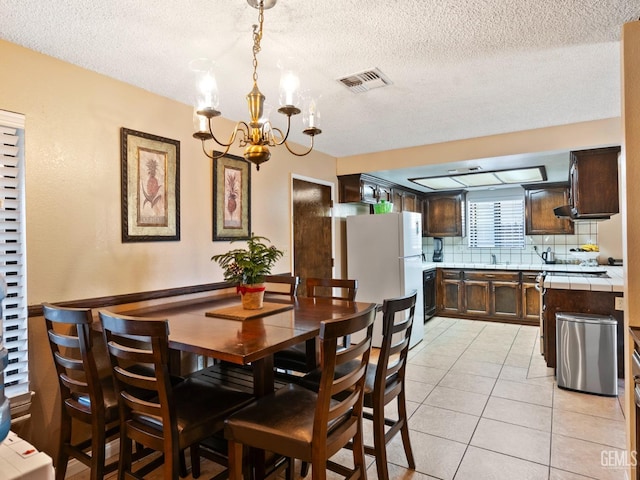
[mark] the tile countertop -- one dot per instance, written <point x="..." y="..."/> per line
<point x="613" y="284"/>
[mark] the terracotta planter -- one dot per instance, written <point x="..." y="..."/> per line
<point x="252" y="296"/>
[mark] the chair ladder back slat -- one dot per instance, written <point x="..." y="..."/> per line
<point x="129" y="354"/>
<point x="292" y="281"/>
<point x="141" y="406"/>
<point x="347" y="381"/>
<point x="62" y="340"/>
<point x="352" y="353"/>
<point x="324" y="287"/>
<point x="69" y="363"/>
<point x="73" y="384"/>
<point x="135" y="380"/>
<point x="344" y="406"/>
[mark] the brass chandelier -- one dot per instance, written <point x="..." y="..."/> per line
<point x="259" y="134"/>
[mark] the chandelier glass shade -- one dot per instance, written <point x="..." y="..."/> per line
<point x="257" y="135"/>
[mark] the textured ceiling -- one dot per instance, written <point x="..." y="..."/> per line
<point x="460" y="69"/>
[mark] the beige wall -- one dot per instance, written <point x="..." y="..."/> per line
<point x="73" y="121"/>
<point x="561" y="138"/>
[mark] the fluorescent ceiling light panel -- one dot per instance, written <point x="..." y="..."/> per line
<point x="522" y="175"/>
<point x="484" y="179"/>
<point x="478" y="179"/>
<point x="439" y="183"/>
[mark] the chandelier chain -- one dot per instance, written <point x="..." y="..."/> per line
<point x="257" y="37"/>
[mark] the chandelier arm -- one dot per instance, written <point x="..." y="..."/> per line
<point x="299" y="154"/>
<point x="283" y="137"/>
<point x="233" y="135"/>
<point x="212" y="155"/>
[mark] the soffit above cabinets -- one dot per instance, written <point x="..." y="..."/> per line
<point x="483" y="179"/>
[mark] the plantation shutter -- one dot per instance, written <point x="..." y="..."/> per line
<point x="13" y="325"/>
<point x="496" y="219"/>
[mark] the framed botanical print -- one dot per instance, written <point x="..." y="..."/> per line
<point x="231" y="198"/>
<point x="150" y="171"/>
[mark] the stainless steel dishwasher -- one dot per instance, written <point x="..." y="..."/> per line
<point x="587" y="357"/>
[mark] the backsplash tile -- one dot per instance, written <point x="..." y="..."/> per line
<point x="456" y="249"/>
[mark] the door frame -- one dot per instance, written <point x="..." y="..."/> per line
<point x="332" y="186"/>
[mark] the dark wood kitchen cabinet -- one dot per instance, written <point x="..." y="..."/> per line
<point x="493" y="294"/>
<point x="530" y="298"/>
<point x="362" y="188"/>
<point x="582" y="301"/>
<point x="405" y="201"/>
<point x="449" y="291"/>
<point x="593" y="176"/>
<point x="443" y="214"/>
<point x="476" y="297"/>
<point x="505" y="296"/>
<point x="488" y="295"/>
<point x="539" y="202"/>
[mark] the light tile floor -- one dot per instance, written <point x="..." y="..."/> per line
<point x="483" y="405"/>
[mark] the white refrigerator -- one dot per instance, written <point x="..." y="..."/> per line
<point x="384" y="253"/>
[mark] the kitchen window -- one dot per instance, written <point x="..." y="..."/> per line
<point x="496" y="218"/>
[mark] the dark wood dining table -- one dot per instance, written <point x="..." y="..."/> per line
<point x="242" y="342"/>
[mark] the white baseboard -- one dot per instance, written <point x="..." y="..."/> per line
<point x="74" y="466"/>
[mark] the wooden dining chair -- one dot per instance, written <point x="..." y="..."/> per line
<point x="385" y="382"/>
<point x="298" y="423"/>
<point x="303" y="357"/>
<point x="85" y="396"/>
<point x="286" y="285"/>
<point x="153" y="412"/>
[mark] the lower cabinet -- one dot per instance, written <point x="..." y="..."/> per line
<point x="530" y="298"/>
<point x="488" y="295"/>
<point x="476" y="294"/>
<point x="449" y="291"/>
<point x="583" y="301"/>
<point x="506" y="298"/>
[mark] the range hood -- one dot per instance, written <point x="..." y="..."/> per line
<point x="568" y="212"/>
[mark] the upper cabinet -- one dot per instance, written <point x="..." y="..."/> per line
<point x="594" y="182"/>
<point x="442" y="214"/>
<point x="405" y="201"/>
<point x="367" y="189"/>
<point x="539" y="202"/>
<point x="362" y="188"/>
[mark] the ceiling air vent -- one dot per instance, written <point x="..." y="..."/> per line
<point x="365" y="81"/>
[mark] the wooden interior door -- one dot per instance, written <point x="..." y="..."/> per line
<point x="312" y="235"/>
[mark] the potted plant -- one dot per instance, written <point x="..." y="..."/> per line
<point x="247" y="267"/>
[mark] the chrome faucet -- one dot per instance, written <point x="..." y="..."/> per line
<point x="493" y="259"/>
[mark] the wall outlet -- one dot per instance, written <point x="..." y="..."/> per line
<point x="619" y="303"/>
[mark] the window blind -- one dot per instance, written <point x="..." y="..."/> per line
<point x="496" y="222"/>
<point x="13" y="253"/>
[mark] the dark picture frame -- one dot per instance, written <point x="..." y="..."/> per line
<point x="231" y="198"/>
<point x="150" y="170"/>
